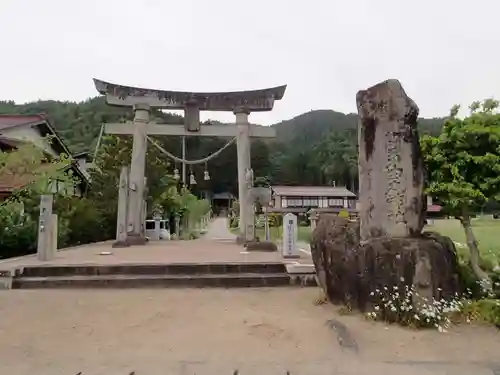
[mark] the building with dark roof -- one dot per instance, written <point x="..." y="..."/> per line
<point x="303" y="198"/>
<point x="36" y="129"/>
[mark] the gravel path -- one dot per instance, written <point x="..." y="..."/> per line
<point x="213" y="331"/>
<point x="218" y="230"/>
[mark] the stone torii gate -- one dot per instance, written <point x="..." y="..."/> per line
<point x="142" y="100"/>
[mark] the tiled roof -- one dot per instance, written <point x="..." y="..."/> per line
<point x="225" y="195"/>
<point x="313" y="191"/>
<point x="10" y="183"/>
<point x="11" y="180"/>
<point x="11" y="121"/>
<point x="10" y="142"/>
<point x="8" y="121"/>
<point x="434" y="208"/>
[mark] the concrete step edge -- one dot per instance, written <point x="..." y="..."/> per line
<point x="150" y="277"/>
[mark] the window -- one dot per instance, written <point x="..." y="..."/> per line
<point x="294" y="202"/>
<point x="284" y="202"/>
<point x="335" y="202"/>
<point x="314" y="202"/>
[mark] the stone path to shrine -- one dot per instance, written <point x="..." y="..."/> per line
<point x="218" y="230"/>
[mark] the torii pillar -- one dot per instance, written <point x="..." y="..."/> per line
<point x="142" y="100"/>
<point x="137" y="183"/>
<point x="247" y="214"/>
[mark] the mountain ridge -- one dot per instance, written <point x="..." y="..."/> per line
<point x="313" y="148"/>
<point x="79" y="122"/>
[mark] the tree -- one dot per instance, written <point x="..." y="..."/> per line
<point x="337" y="158"/>
<point x="29" y="169"/>
<point x="31" y="173"/>
<point x="114" y="153"/>
<point x="463" y="165"/>
<point x="289" y="159"/>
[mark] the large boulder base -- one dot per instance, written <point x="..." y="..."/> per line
<point x="333" y="243"/>
<point x="354" y="273"/>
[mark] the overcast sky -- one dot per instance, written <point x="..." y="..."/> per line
<point x="443" y="51"/>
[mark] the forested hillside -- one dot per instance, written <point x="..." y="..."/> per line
<point x="317" y="147"/>
<point x="310" y="127"/>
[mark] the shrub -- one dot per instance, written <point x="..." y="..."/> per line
<point x="85" y="222"/>
<point x="18" y="231"/>
<point x="234" y="222"/>
<point x="472" y="285"/>
<point x="485" y="310"/>
<point x="190" y="235"/>
<point x="275" y="220"/>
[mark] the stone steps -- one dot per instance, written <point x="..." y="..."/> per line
<point x="237" y="280"/>
<point x="151" y="269"/>
<point x="6" y="278"/>
<point x="194" y="275"/>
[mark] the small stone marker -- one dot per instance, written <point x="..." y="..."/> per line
<point x="290" y="236"/>
<point x="45" y="233"/>
<point x="157" y="218"/>
<point x="54" y="225"/>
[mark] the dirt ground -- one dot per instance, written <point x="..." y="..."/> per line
<point x="214" y="331"/>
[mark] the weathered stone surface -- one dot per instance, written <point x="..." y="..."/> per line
<point x="333" y="244"/>
<point x="386" y="257"/>
<point x="391" y="177"/>
<point x="349" y="271"/>
<point x="428" y="264"/>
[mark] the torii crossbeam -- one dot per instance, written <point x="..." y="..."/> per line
<point x="142" y="100"/>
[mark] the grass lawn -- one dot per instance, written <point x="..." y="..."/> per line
<point x="486" y="229"/>
<point x="487" y="233"/>
<point x="277" y="233"/>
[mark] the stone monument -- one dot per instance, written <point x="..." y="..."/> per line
<point x="391" y="175"/>
<point x="143" y="100"/>
<point x="47" y="224"/>
<point x="387" y="248"/>
<point x="121" y="217"/>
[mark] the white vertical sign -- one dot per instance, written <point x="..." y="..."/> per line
<point x="290" y="236"/>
